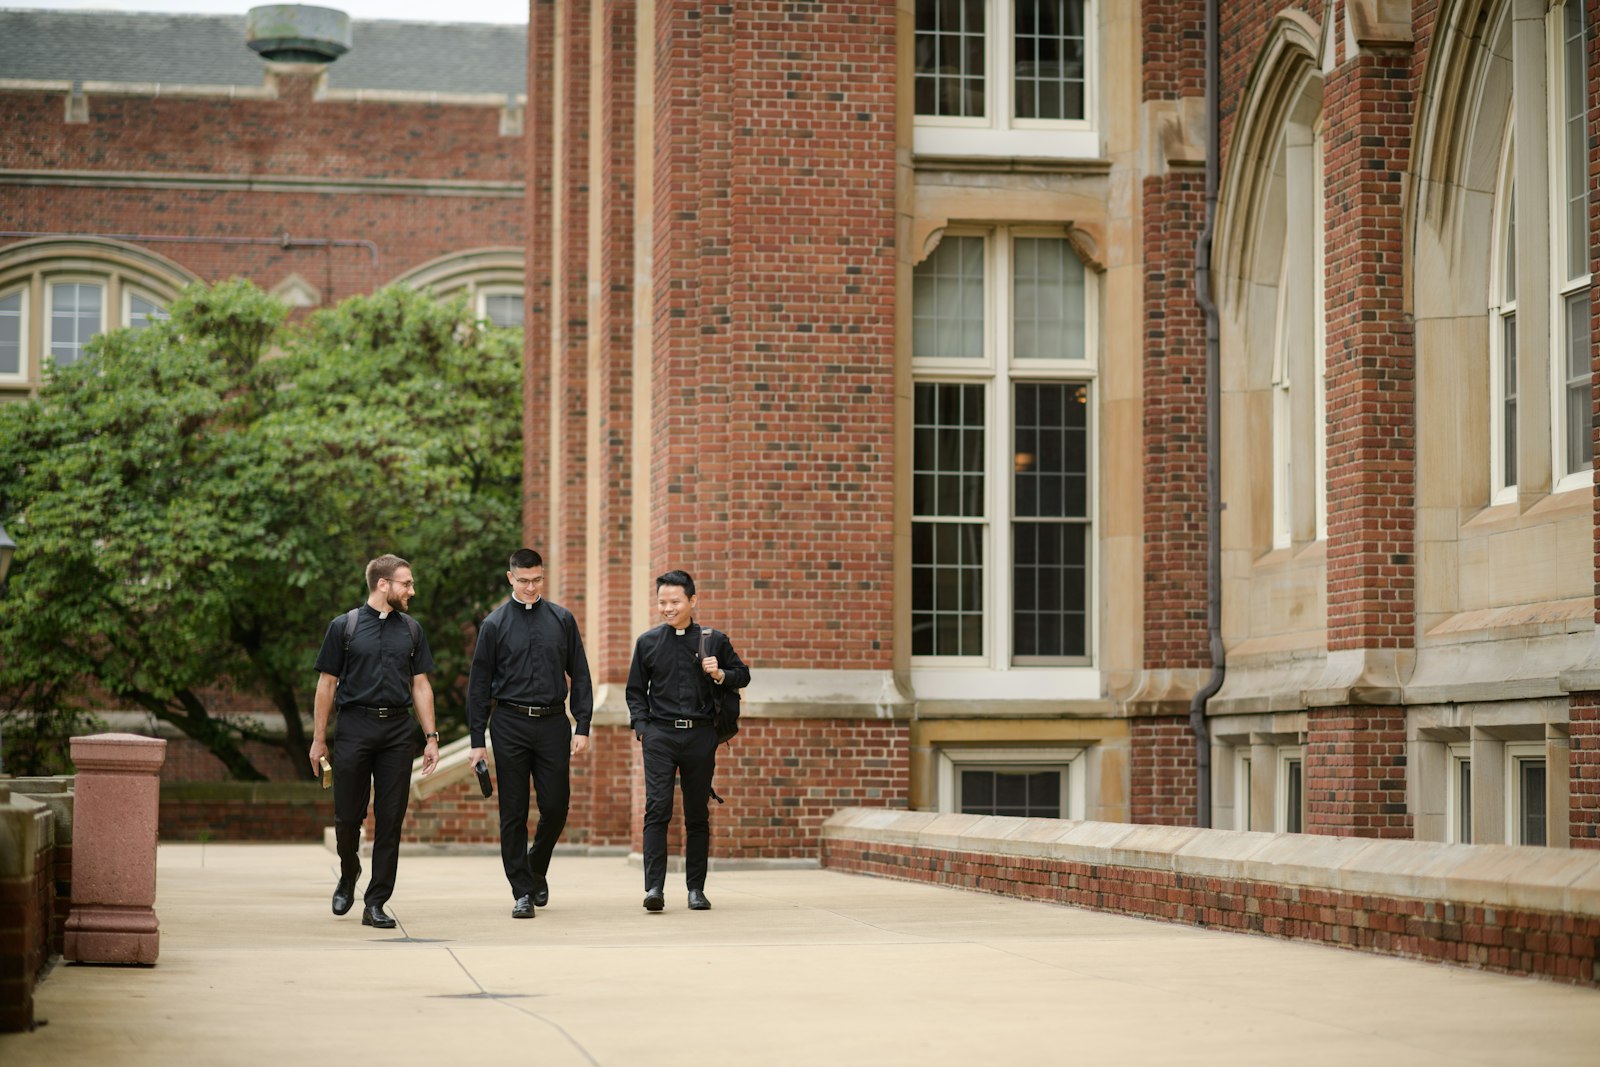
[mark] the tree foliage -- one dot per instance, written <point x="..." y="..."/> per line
<point x="190" y="513"/>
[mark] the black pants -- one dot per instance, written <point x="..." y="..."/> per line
<point x="372" y="756"/>
<point x="526" y="747"/>
<point x="690" y="755"/>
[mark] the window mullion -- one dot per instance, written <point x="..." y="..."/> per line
<point x="1002" y="444"/>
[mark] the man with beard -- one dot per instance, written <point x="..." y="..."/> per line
<point x="528" y="648"/>
<point x="678" y="669"/>
<point x="374" y="662"/>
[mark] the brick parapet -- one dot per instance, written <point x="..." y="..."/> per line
<point x="1496" y="908"/>
<point x="539" y="264"/>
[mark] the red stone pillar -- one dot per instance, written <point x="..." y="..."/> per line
<point x="1355" y="755"/>
<point x="115" y="816"/>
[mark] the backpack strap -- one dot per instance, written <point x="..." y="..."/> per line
<point x="353" y="616"/>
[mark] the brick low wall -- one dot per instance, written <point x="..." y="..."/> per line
<point x="244" y="811"/>
<point x="27" y="903"/>
<point x="1532" y="911"/>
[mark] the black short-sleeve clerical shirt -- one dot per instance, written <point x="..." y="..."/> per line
<point x="378" y="668"/>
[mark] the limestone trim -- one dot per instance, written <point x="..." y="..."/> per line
<point x="1467" y="81"/>
<point x="468" y="271"/>
<point x="257" y="183"/>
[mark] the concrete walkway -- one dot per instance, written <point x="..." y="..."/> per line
<point x="791" y="967"/>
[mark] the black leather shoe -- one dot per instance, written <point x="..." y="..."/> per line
<point x="522" y="909"/>
<point x="654" y="899"/>
<point x="541" y="892"/>
<point x="698" y="901"/>
<point x="343" y="896"/>
<point x="374" y="915"/>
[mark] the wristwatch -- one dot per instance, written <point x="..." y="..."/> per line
<point x="434" y="735"/>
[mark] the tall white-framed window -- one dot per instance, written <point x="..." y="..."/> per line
<point x="1571" y="361"/>
<point x="77" y="311"/>
<point x="501" y="305"/>
<point x="1503" y="336"/>
<point x="1299" y="363"/>
<point x="1458" y="793"/>
<point x="1005" y="77"/>
<point x="1526" y="807"/>
<point x="14" y="335"/>
<point x="1039" y="783"/>
<point x="1002" y="458"/>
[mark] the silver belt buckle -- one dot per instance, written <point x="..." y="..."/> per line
<point x="383" y="713"/>
<point x="683" y="724"/>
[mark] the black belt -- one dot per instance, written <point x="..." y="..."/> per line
<point x="683" y="724"/>
<point x="379" y="712"/>
<point x="532" y="712"/>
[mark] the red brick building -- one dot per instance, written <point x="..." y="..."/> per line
<point x="144" y="152"/>
<point x="880" y="319"/>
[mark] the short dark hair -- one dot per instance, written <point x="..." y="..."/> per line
<point x="678" y="578"/>
<point x="525" y="557"/>
<point x="383" y="567"/>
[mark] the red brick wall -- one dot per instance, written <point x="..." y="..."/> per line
<point x="602" y="789"/>
<point x="1371" y="365"/>
<point x="773" y="403"/>
<point x="1562" y="947"/>
<point x="1355" y="772"/>
<point x="1172" y="58"/>
<point x="1584" y="803"/>
<point x="1175" y="559"/>
<point x="539" y="176"/>
<point x="189" y="760"/>
<point x="245" y="811"/>
<point x="610" y="642"/>
<point x="292" y="136"/>
<point x="1161" y="776"/>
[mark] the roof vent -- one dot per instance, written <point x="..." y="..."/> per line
<point x="294" y="33"/>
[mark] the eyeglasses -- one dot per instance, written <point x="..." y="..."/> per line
<point x="409" y="583"/>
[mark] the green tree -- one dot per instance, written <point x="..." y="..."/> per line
<point x="190" y="515"/>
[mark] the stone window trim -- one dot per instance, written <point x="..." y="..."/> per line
<point x="1494" y="739"/>
<point x="1071" y="762"/>
<point x="471" y="273"/>
<point x="1252" y="754"/>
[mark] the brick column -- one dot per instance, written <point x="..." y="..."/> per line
<point x="1584" y="809"/>
<point x="1355" y="761"/>
<point x="115" y="815"/>
<point x="538" y="124"/>
<point x="1584" y="784"/>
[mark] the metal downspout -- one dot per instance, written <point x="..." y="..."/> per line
<point x="1205" y="292"/>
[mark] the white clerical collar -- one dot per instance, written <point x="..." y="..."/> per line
<point x="383" y="614"/>
<point x="527" y="605"/>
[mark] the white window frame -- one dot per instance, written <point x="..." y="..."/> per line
<point x="1518" y="753"/>
<point x="23" y="372"/>
<point x="977" y="677"/>
<point x="1280" y="803"/>
<point x="996" y="133"/>
<point x="481" y="295"/>
<point x="1563" y="285"/>
<point x="1502" y="483"/>
<point x="1457" y="755"/>
<point x="101" y="281"/>
<point x="1070" y="761"/>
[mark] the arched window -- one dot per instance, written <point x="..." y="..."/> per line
<point x="1503" y="338"/>
<point x="491" y="278"/>
<point x="1571" y="362"/>
<point x="57" y="294"/>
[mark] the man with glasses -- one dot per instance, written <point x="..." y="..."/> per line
<point x="374" y="663"/>
<point x="528" y="649"/>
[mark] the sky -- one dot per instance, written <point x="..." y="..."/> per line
<point x="500" y="11"/>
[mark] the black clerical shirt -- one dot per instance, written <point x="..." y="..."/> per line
<point x="666" y="681"/>
<point x="378" y="670"/>
<point x="525" y="654"/>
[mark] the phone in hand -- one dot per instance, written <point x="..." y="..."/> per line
<point x="481" y="769"/>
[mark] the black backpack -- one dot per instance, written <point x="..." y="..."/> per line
<point x="352" y="616"/>
<point x="725" y="706"/>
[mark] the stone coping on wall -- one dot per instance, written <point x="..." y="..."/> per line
<point x="1563" y="881"/>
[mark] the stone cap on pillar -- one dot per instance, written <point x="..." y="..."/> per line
<point x="125" y="753"/>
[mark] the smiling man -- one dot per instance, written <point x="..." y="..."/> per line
<point x="374" y="664"/>
<point x="672" y="694"/>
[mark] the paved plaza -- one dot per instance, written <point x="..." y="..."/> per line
<point x="791" y="967"/>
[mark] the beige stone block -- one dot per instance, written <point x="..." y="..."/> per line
<point x="1403" y="868"/>
<point x="1122" y="491"/>
<point x="1093" y="842"/>
<point x="1122" y="619"/>
<point x="1516" y="876"/>
<point x="1305" y="859"/>
<point x="1154" y="847"/>
<point x="1222" y="853"/>
<point x="1575" y="553"/>
<point x="1472" y="577"/>
<point x="1121" y="370"/>
<point x="1437" y="573"/>
<point x="1522" y="566"/>
<point x="1583" y="893"/>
